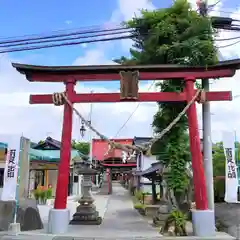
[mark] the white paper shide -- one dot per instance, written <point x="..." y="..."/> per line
<point x="231" y="178"/>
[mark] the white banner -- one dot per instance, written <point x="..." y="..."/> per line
<point x="231" y="178"/>
<point x="11" y="166"/>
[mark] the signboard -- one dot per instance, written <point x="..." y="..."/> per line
<point x="231" y="178"/>
<point x="11" y="166"/>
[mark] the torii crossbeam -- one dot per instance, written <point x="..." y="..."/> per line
<point x="70" y="75"/>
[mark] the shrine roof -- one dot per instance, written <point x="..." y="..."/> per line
<point x="49" y="143"/>
<point x="149" y="171"/>
<point x="141" y="140"/>
<point x="100" y="148"/>
<point x="108" y="69"/>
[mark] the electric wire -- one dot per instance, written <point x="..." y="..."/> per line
<point x="68" y="37"/>
<point x="111" y="32"/>
<point x="79" y="42"/>
<point x="229" y="45"/>
<point x="61" y="35"/>
<point x="64" y="44"/>
<point x="227" y="39"/>
<point x="213" y="5"/>
<point x="49" y="32"/>
<point x="65" y="39"/>
<point x="64" y="33"/>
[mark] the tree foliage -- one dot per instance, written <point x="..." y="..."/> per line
<point x="175" y="35"/>
<point x="83" y="147"/>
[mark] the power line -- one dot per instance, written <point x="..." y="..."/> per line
<point x="61" y="35"/>
<point x="227" y="39"/>
<point x="229" y="45"/>
<point x="80" y="42"/>
<point x="110" y="32"/>
<point x="99" y="33"/>
<point x="94" y="27"/>
<point x="228" y="12"/>
<point x="65" y="39"/>
<point x="64" y="44"/>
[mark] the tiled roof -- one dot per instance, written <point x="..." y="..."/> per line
<point x="141" y="140"/>
<point x="100" y="147"/>
<point x="154" y="167"/>
<point x="49" y="155"/>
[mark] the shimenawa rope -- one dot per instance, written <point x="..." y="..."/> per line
<point x="61" y="98"/>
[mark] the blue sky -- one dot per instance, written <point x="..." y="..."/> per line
<point x="28" y="17"/>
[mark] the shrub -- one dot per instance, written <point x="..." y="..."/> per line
<point x="36" y="193"/>
<point x="178" y="220"/>
<point x="139" y="206"/>
<point x="139" y="195"/>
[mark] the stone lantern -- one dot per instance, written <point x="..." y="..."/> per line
<point x="86" y="213"/>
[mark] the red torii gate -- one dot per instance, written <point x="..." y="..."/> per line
<point x="71" y="74"/>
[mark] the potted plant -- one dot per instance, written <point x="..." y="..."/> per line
<point x="43" y="196"/>
<point x="36" y="193"/>
<point x="49" y="192"/>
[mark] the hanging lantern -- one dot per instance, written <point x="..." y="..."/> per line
<point x="82" y="130"/>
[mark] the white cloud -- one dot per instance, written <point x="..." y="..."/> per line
<point x="92" y="57"/>
<point x="37" y="121"/>
<point x="225" y="115"/>
<point x="84" y="45"/>
<point x="126" y="10"/>
<point x="214" y="6"/>
<point x="233" y="50"/>
<point x="68" y="22"/>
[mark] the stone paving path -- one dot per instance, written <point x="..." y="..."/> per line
<point x="121" y="221"/>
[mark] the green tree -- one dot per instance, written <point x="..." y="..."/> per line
<point x="41" y="142"/>
<point x="219" y="171"/>
<point x="83" y="147"/>
<point x="175" y="35"/>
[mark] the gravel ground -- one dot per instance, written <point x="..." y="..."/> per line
<point x="229" y="216"/>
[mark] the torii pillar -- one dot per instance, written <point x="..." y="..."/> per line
<point x="59" y="216"/>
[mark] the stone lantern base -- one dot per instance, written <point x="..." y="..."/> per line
<point x="86" y="213"/>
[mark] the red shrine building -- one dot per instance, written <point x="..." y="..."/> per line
<point x="113" y="162"/>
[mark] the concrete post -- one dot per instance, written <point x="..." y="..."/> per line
<point x="207" y="148"/>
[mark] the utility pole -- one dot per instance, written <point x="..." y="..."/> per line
<point x="90" y="132"/>
<point x="91" y="139"/>
<point x="207" y="140"/>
